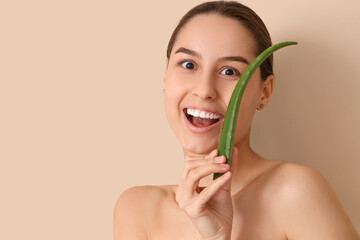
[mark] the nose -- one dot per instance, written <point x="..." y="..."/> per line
<point x="205" y="87"/>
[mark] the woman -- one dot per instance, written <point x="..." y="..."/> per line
<point x="256" y="198"/>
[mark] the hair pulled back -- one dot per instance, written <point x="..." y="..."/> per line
<point x="239" y="12"/>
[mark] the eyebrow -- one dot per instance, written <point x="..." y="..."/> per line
<point x="236" y="59"/>
<point x="189" y="52"/>
<point x="197" y="55"/>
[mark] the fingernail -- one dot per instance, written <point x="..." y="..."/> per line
<point x="224" y="165"/>
<point x="226" y="174"/>
<point x="219" y="159"/>
<point x="214" y="152"/>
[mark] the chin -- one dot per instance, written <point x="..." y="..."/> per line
<point x="199" y="145"/>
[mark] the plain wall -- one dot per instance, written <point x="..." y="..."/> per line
<point x="81" y="106"/>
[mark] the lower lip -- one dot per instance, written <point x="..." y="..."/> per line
<point x="195" y="129"/>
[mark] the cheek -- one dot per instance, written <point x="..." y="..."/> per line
<point x="171" y="110"/>
<point x="171" y="102"/>
<point x="224" y="90"/>
<point x="174" y="93"/>
<point x="250" y="98"/>
<point x="247" y="109"/>
<point x="252" y="93"/>
<point x="176" y="86"/>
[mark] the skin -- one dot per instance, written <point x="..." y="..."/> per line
<point x="257" y="198"/>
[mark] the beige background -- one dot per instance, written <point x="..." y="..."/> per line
<point x="81" y="108"/>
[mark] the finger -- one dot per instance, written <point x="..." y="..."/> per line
<point x="213" y="153"/>
<point x="188" y="187"/>
<point x="195" y="175"/>
<point x="194" y="164"/>
<point x="191" y="164"/>
<point x="206" y="194"/>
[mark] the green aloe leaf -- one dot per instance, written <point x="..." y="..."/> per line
<point x="228" y="129"/>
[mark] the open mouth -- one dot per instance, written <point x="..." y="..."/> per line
<point x="201" y="118"/>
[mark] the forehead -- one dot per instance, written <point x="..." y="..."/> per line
<point x="215" y="35"/>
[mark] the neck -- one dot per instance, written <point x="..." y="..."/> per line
<point x="245" y="167"/>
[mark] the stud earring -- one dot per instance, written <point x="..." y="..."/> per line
<point x="261" y="105"/>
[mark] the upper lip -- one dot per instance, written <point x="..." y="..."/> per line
<point x="205" y="109"/>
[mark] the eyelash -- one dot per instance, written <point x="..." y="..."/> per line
<point x="237" y="73"/>
<point x="180" y="63"/>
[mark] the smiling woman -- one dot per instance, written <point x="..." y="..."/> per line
<point x="209" y="50"/>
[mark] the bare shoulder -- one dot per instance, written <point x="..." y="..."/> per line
<point x="136" y="208"/>
<point x="291" y="178"/>
<point x="291" y="181"/>
<point x="302" y="195"/>
<point x="142" y="198"/>
<point x="144" y="194"/>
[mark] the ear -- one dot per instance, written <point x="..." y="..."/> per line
<point x="267" y="88"/>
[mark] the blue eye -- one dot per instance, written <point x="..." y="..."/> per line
<point x="228" y="72"/>
<point x="188" y="65"/>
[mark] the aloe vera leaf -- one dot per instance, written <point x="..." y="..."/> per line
<point x="229" y="125"/>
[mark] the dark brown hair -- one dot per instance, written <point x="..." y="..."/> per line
<point x="239" y="12"/>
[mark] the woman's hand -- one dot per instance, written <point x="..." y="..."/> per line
<point x="210" y="209"/>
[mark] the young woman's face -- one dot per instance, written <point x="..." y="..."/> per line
<point x="209" y="55"/>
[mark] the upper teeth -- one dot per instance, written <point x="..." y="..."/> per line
<point x="202" y="114"/>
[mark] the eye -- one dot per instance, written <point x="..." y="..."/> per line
<point x="188" y="65"/>
<point x="229" y="72"/>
